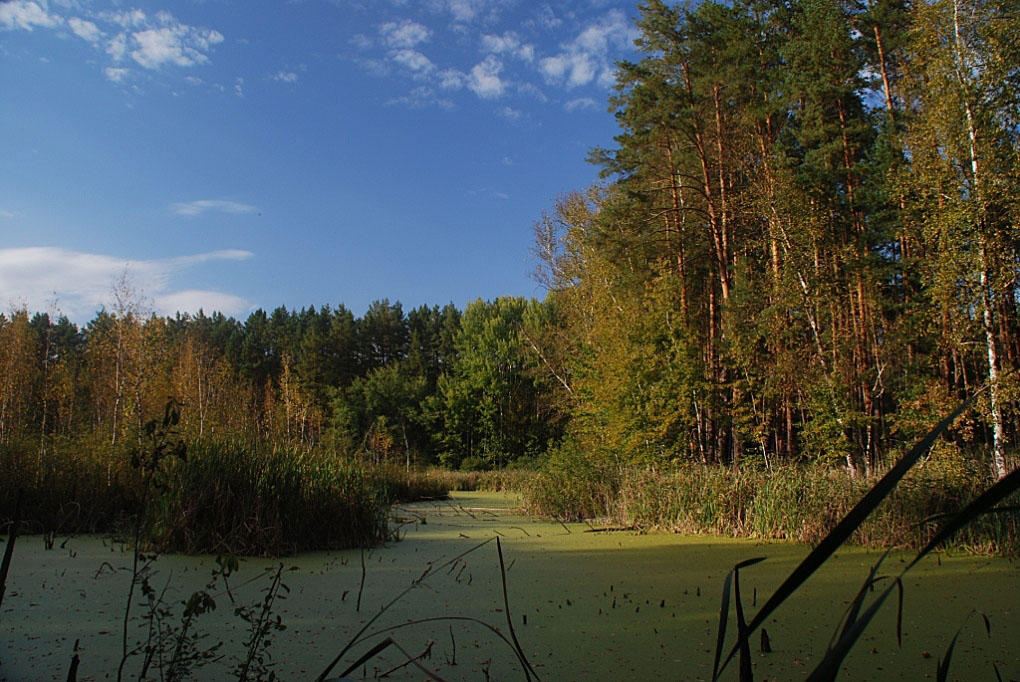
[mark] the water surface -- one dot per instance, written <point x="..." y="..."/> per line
<point x="612" y="605"/>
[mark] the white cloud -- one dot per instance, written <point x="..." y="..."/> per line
<point x="545" y="18"/>
<point x="156" y="46"/>
<point x="151" y="41"/>
<point x="85" y="29"/>
<point x="173" y="43"/>
<point x="554" y="67"/>
<point x="404" y="34"/>
<point x="484" y="79"/>
<point x="83" y="282"/>
<point x="117" y="46"/>
<point x="510" y="113"/>
<point x="462" y="10"/>
<point x="508" y="43"/>
<point x="116" y="75"/>
<point x="284" y="77"/>
<point x="203" y="205"/>
<point x="26" y="15"/>
<point x="413" y="60"/>
<point x="193" y="300"/>
<point x="451" y="79"/>
<point x="532" y="90"/>
<point x="374" y="67"/>
<point x="580" y="103"/>
<point x="362" y="42"/>
<point x="586" y="58"/>
<point x="126" y="19"/>
<point x="422" y="97"/>
<point x="224" y="254"/>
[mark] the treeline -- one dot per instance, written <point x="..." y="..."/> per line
<point x="432" y="385"/>
<point x="810" y="242"/>
<point x="806" y="248"/>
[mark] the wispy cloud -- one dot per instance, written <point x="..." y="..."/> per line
<point x="362" y="41"/>
<point x="484" y="79"/>
<point x="414" y="61"/>
<point x="85" y="29"/>
<point x="510" y="113"/>
<point x="115" y="74"/>
<point x="403" y="34"/>
<point x="151" y="42"/>
<point x="508" y="44"/>
<point x="461" y="10"/>
<point x="545" y="18"/>
<point x="198" y="258"/>
<point x="200" y="206"/>
<point x="171" y="42"/>
<point x="284" y="77"/>
<point x="193" y="300"/>
<point x="27" y="15"/>
<point x="512" y="63"/>
<point x="83" y="282"/>
<point x="422" y="97"/>
<point x="580" y="103"/>
<point x="586" y="58"/>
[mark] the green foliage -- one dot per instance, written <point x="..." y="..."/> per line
<point x="175" y="649"/>
<point x="793" y="503"/>
<point x="574" y="486"/>
<point x="490" y="405"/>
<point x="228" y="498"/>
<point x="262" y="625"/>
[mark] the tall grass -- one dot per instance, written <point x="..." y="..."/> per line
<point x="80" y="485"/>
<point x="800" y="503"/>
<point x="225" y="497"/>
<point x="231" y="499"/>
<point x="494" y="480"/>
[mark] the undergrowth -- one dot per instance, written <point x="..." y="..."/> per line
<point x="799" y="503"/>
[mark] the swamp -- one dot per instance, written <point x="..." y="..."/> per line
<point x="762" y="424"/>
<point x="616" y="604"/>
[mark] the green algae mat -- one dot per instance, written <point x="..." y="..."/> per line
<point x="608" y="605"/>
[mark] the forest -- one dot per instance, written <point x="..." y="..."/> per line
<point x="804" y="250"/>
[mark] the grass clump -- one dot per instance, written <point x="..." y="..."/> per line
<point x="402" y="484"/>
<point x="227" y="498"/>
<point x="511" y="480"/>
<point x="224" y="497"/>
<point x="800" y="503"/>
<point x="81" y="485"/>
<point x="574" y="486"/>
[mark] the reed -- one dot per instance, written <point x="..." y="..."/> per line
<point x="226" y="498"/>
<point x="799" y="503"/>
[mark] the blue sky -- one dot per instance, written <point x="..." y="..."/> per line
<point x="236" y="155"/>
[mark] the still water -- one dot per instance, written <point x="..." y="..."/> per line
<point x="612" y="605"/>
